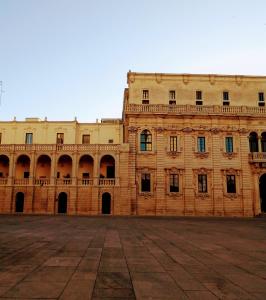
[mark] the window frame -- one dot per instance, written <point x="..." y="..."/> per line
<point x="173" y="143"/>
<point x="29" y="138"/>
<point x="231" y="189"/>
<point x="145" y="183"/>
<point x="84" y="137"/>
<point x="60" y="140"/>
<point x="174" y="178"/>
<point x="199" y="145"/>
<point x="145" y="142"/>
<point x="202" y="184"/>
<point x="229" y="146"/>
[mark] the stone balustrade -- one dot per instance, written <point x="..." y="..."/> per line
<point x="194" y="109"/>
<point x="257" y="157"/>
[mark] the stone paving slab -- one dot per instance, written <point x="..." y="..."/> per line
<point x="65" y="257"/>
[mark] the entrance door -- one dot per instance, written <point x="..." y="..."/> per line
<point x="263" y="193"/>
<point x="19" y="202"/>
<point x="62" y="203"/>
<point x="106" y="203"/>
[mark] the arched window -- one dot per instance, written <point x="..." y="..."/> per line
<point x="263" y="142"/>
<point x="145" y="141"/>
<point x="253" y="142"/>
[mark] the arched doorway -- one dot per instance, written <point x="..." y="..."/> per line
<point x="19" y="202"/>
<point x="62" y="203"/>
<point x="263" y="193"/>
<point x="106" y="203"/>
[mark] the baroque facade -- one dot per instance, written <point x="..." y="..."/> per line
<point x="186" y="145"/>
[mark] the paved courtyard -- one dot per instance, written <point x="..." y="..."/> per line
<point x="65" y="257"/>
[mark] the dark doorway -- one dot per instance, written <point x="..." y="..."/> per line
<point x="62" y="203"/>
<point x="19" y="202"/>
<point x="263" y="193"/>
<point x="110" y="170"/>
<point x="106" y="204"/>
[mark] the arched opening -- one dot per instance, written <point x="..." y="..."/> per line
<point x="64" y="168"/>
<point x="43" y="167"/>
<point x="22" y="167"/>
<point x="107" y="167"/>
<point x="4" y="166"/>
<point x="253" y="142"/>
<point x="145" y="140"/>
<point x="106" y="203"/>
<point x="62" y="203"/>
<point x="263" y="142"/>
<point x="85" y="170"/>
<point x="263" y="193"/>
<point x="19" y="207"/>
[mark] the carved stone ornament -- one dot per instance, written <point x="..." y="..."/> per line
<point x="187" y="129"/>
<point x="215" y="130"/>
<point x="243" y="131"/>
<point x="132" y="129"/>
<point x="159" y="129"/>
<point x="130" y="77"/>
<point x="239" y="79"/>
<point x="230" y="155"/>
<point x="202" y="154"/>
<point x="173" y="154"/>
<point x="202" y="195"/>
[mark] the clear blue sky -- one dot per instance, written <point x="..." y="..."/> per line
<point x="66" y="58"/>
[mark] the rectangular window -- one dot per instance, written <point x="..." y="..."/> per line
<point x="229" y="144"/>
<point x="201" y="144"/>
<point x="202" y="183"/>
<point x="198" y="95"/>
<point x="226" y="103"/>
<point x="172" y="95"/>
<point x="226" y="96"/>
<point x="261" y="97"/>
<point x="111" y="141"/>
<point x="172" y="102"/>
<point x="85" y="175"/>
<point x="231" y="183"/>
<point x="29" y="138"/>
<point x="174" y="183"/>
<point x="60" y="138"/>
<point x="0" y="138"/>
<point x="173" y="143"/>
<point x="145" y="95"/>
<point x="85" y="139"/>
<point x="145" y="182"/>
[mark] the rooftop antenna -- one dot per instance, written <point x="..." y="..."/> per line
<point x="1" y="91"/>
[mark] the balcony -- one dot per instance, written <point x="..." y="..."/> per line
<point x="257" y="157"/>
<point x="194" y="109"/>
<point x="106" y="181"/>
<point x="3" y="181"/>
<point x="59" y="147"/>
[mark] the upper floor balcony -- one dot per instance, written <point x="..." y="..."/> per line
<point x="257" y="157"/>
<point x="59" y="147"/>
<point x="194" y="109"/>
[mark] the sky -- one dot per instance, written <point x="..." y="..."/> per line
<point x="63" y="59"/>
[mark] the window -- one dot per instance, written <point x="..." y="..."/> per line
<point x="145" y="141"/>
<point x="60" y="138"/>
<point x="202" y="183"/>
<point x="29" y="138"/>
<point x="0" y="138"/>
<point x="201" y="144"/>
<point x="172" y="95"/>
<point x="110" y="141"/>
<point x="145" y="97"/>
<point x="198" y="95"/>
<point x="145" y="182"/>
<point x="229" y="144"/>
<point x="261" y="97"/>
<point x="174" y="183"/>
<point x="173" y="143"/>
<point x="231" y="183"/>
<point x="226" y="96"/>
<point x="85" y="175"/>
<point x="85" y="139"/>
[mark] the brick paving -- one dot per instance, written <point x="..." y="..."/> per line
<point x="65" y="257"/>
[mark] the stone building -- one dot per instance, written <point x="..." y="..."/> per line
<point x="186" y="145"/>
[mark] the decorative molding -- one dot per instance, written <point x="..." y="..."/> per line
<point x="173" y="154"/>
<point x="201" y="154"/>
<point x="238" y="79"/>
<point x="132" y="129"/>
<point x="202" y="195"/>
<point x="230" y="155"/>
<point x="159" y="129"/>
<point x="185" y="78"/>
<point x="187" y="129"/>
